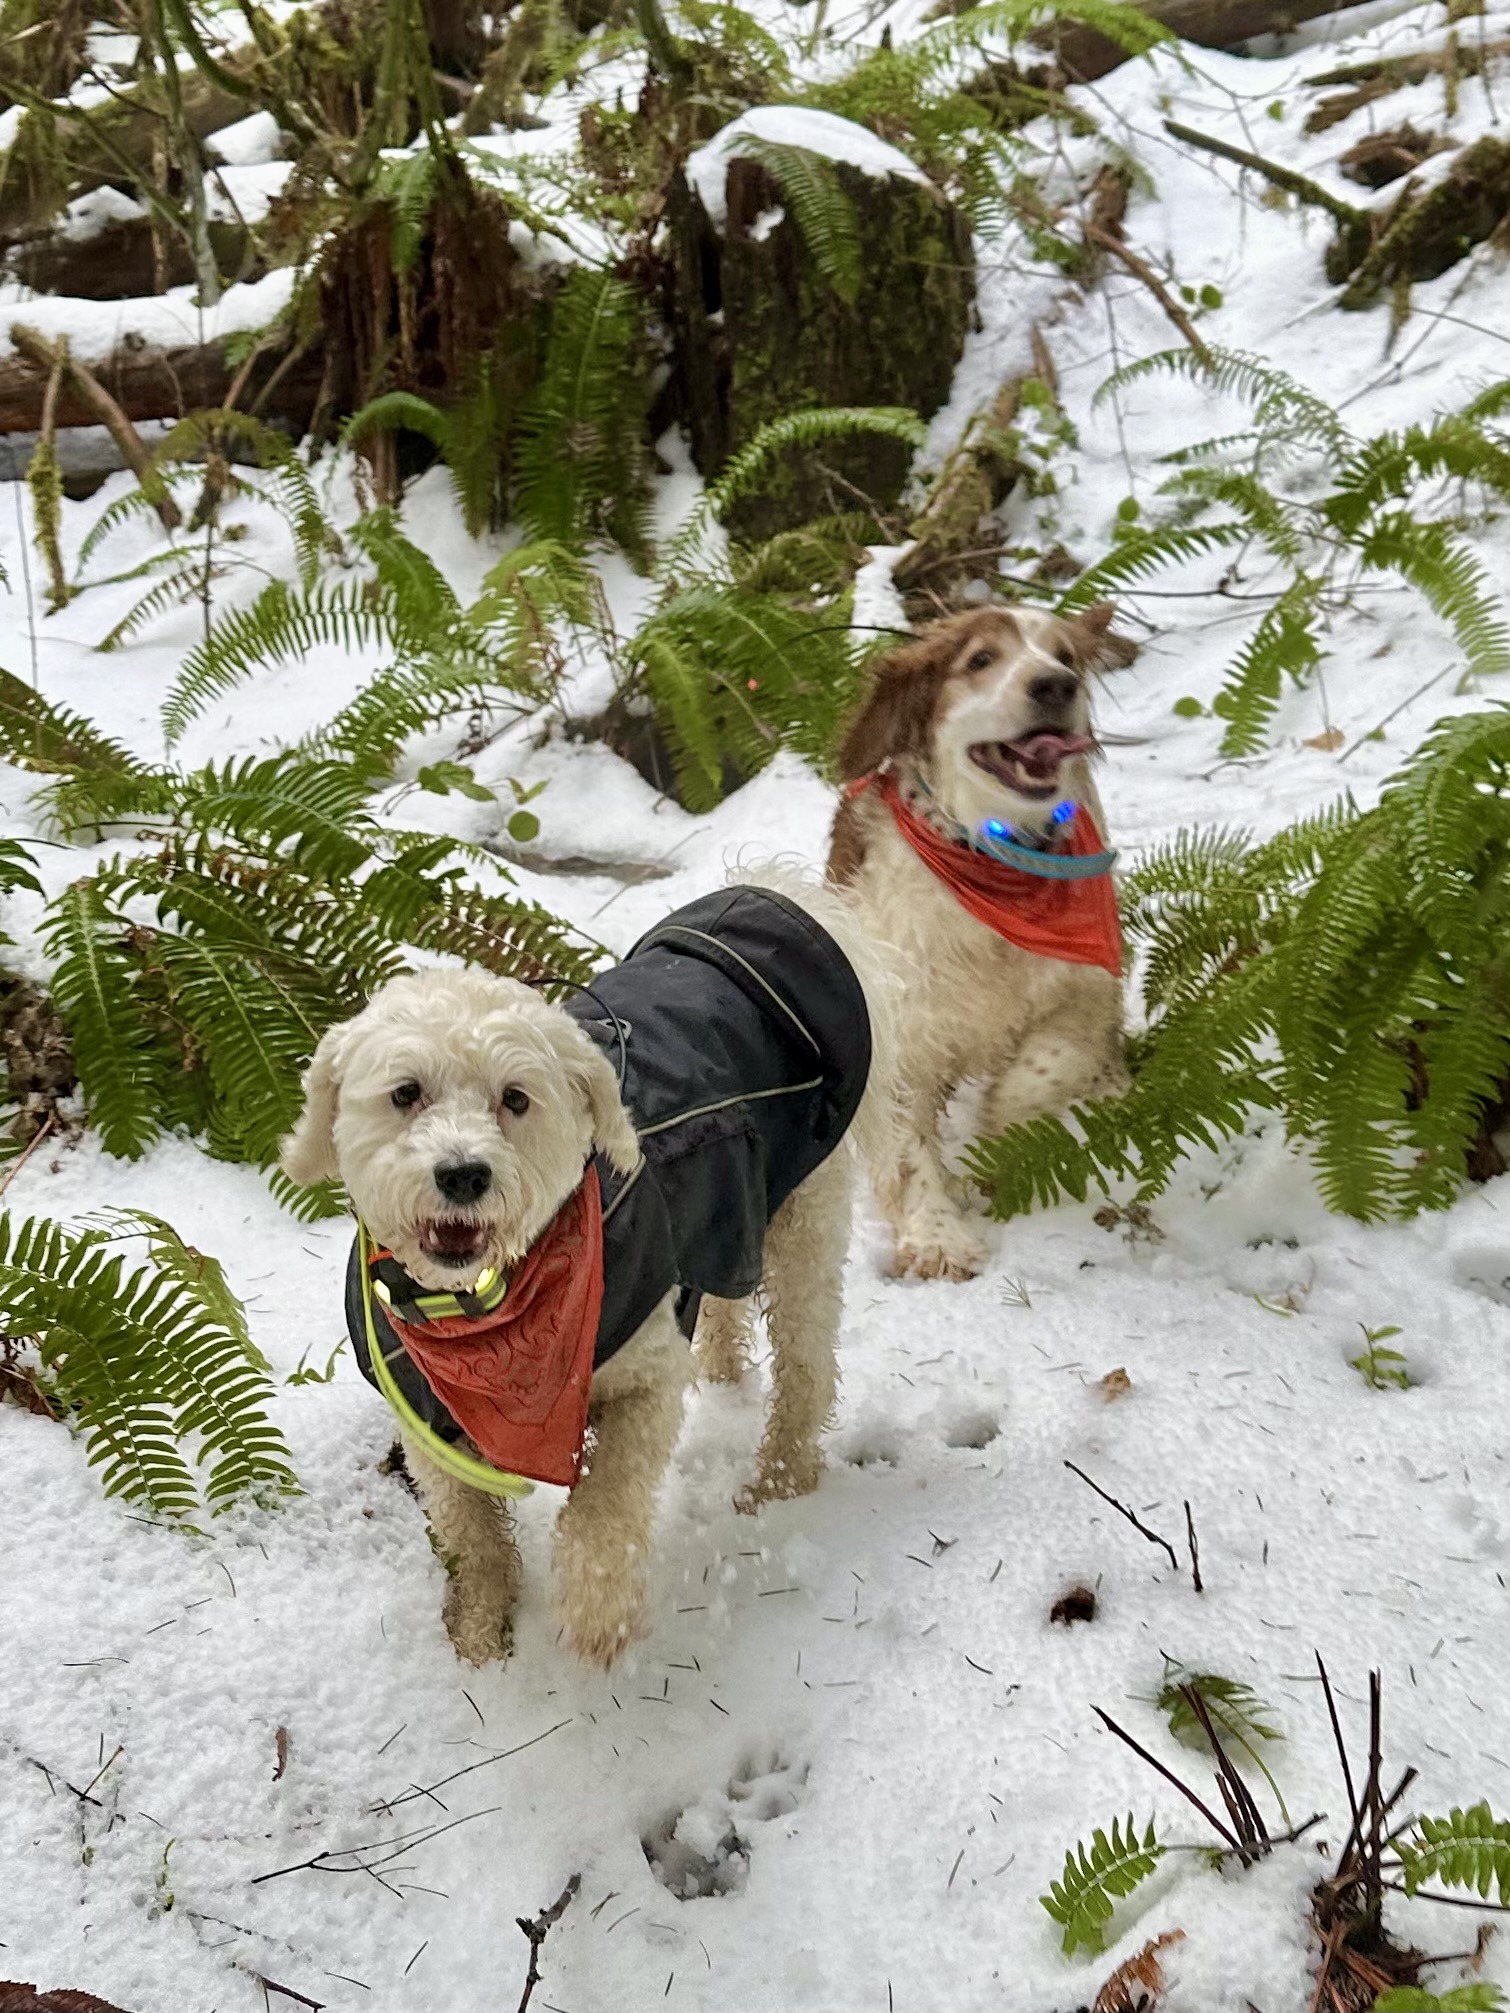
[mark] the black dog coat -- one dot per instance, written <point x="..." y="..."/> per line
<point x="744" y="1041"/>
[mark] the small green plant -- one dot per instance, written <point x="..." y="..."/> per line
<point x="1081" y="1901"/>
<point x="1479" y="1998"/>
<point x="1234" y="1709"/>
<point x="1380" y="1368"/>
<point x="1318" y="510"/>
<point x="1467" y="1848"/>
<point x="146" y="1360"/>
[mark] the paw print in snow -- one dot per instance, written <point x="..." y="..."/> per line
<point x="704" y="1849"/>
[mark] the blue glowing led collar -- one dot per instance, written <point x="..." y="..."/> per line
<point x="998" y="842"/>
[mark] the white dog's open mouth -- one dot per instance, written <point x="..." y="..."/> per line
<point x="453" y="1240"/>
<point x="1030" y="766"/>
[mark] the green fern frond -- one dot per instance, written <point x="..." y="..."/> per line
<point x="146" y="1360"/>
<point x="138" y="502"/>
<point x="1140" y="553"/>
<point x="36" y="734"/>
<point x="279" y="628"/>
<point x="118" y="1051"/>
<point x="688" y="553"/>
<point x="1234" y="1709"/>
<point x="821" y="208"/>
<point x="1280" y="403"/>
<point x="1391" y="465"/>
<point x="407" y="184"/>
<point x="179" y="587"/>
<point x="1133" y="31"/>
<point x="311" y="812"/>
<point x="1267" y="516"/>
<point x="579" y="459"/>
<point x="1081" y="1901"/>
<point x="1284" y="644"/>
<point x="1434" y="561"/>
<point x="1467" y="1848"/>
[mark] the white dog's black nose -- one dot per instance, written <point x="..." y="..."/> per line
<point x="463" y="1180"/>
<point x="1053" y="688"/>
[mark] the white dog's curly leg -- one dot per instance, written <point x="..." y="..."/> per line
<point x="721" y="1349"/>
<point x="1055" y="1068"/>
<point x="602" y="1548"/>
<point x="475" y="1539"/>
<point x="804" y="1294"/>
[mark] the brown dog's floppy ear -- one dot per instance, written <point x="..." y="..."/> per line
<point x="898" y="709"/>
<point x="308" y="1153"/>
<point x="613" y="1134"/>
<point x="1097" y="645"/>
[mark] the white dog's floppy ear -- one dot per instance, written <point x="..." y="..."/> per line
<point x="613" y="1135"/>
<point x="308" y="1153"/>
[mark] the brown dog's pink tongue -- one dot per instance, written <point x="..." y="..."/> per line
<point x="1042" y="753"/>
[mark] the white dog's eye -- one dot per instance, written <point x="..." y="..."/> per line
<point x="515" y="1100"/>
<point x="981" y="661"/>
<point x="1065" y="656"/>
<point x="407" y="1096"/>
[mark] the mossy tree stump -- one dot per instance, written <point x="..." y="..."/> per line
<point x="760" y="332"/>
<point x="1427" y="232"/>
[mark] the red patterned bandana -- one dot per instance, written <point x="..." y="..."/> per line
<point x="1075" y="920"/>
<point x="516" y="1380"/>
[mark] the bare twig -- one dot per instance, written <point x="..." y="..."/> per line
<point x="387" y="1849"/>
<point x="1195" y="1551"/>
<point x="1141" y="270"/>
<point x="32" y="1144"/>
<point x="1347" y="1773"/>
<point x="1122" y="1510"/>
<point x="537" y="1931"/>
<point x="1169" y="1776"/>
<point x="414" y="1795"/>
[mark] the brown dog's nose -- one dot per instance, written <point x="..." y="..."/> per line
<point x="1053" y="688"/>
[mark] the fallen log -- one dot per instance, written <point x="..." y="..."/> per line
<point x="148" y="382"/>
<point x="1084" y="54"/>
<point x="120" y="262"/>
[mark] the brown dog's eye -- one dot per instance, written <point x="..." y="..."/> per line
<point x="981" y="661"/>
<point x="515" y="1101"/>
<point x="1066" y="656"/>
<point x="407" y="1096"/>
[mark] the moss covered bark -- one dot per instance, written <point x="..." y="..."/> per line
<point x="761" y="332"/>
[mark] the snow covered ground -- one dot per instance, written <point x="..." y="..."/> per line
<point x="863" y="1689"/>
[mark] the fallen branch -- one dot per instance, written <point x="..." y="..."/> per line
<point x="1085" y="54"/>
<point x="414" y="1795"/>
<point x="1141" y="270"/>
<point x="1233" y="1845"/>
<point x="1282" y="178"/>
<point x="1123" y="1511"/>
<point x="1195" y="1551"/>
<point x="31" y="344"/>
<point x="537" y="1931"/>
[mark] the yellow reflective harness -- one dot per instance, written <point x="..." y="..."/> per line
<point x="453" y="1460"/>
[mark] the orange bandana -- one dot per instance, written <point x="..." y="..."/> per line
<point x="516" y="1380"/>
<point x="1075" y="920"/>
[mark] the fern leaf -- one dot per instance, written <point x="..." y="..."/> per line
<point x="1140" y="553"/>
<point x="1467" y="1848"/>
<point x="578" y="459"/>
<point x="36" y="734"/>
<point x="179" y="587"/>
<point x="278" y="628"/>
<point x="117" y="1053"/>
<point x="1283" y="643"/>
<point x="1280" y="403"/>
<point x="1082" y="1899"/>
<point x="821" y="207"/>
<point x="1478" y="1998"/>
<point x="1452" y="581"/>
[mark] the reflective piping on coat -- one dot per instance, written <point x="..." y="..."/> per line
<point x="452" y="1460"/>
<point x="727" y="1103"/>
<point x="728" y="951"/>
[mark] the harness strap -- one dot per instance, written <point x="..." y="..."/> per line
<point x="455" y="1461"/>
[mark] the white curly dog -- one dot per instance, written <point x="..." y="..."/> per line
<point x="462" y="1111"/>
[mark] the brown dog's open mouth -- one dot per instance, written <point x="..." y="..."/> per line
<point x="453" y="1240"/>
<point x="1030" y="766"/>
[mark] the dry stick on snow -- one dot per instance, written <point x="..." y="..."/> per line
<point x="1169" y="1776"/>
<point x="32" y="1144"/>
<point x="414" y="1795"/>
<point x="389" y="1848"/>
<point x="1123" y="1511"/>
<point x="1282" y="178"/>
<point x="1141" y="270"/>
<point x="1195" y="1551"/>
<point x="539" y="1929"/>
<point x="1244" y="1812"/>
<point x="31" y="344"/>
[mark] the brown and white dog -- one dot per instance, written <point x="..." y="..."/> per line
<point x="983" y="721"/>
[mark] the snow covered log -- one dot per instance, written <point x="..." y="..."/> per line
<point x="149" y="382"/>
<point x="119" y="262"/>
<point x="764" y="326"/>
<point x="1084" y="55"/>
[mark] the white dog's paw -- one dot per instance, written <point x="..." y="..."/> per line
<point x="793" y="1475"/>
<point x="938" y="1250"/>
<point x="479" y="1619"/>
<point x="601" y="1637"/>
